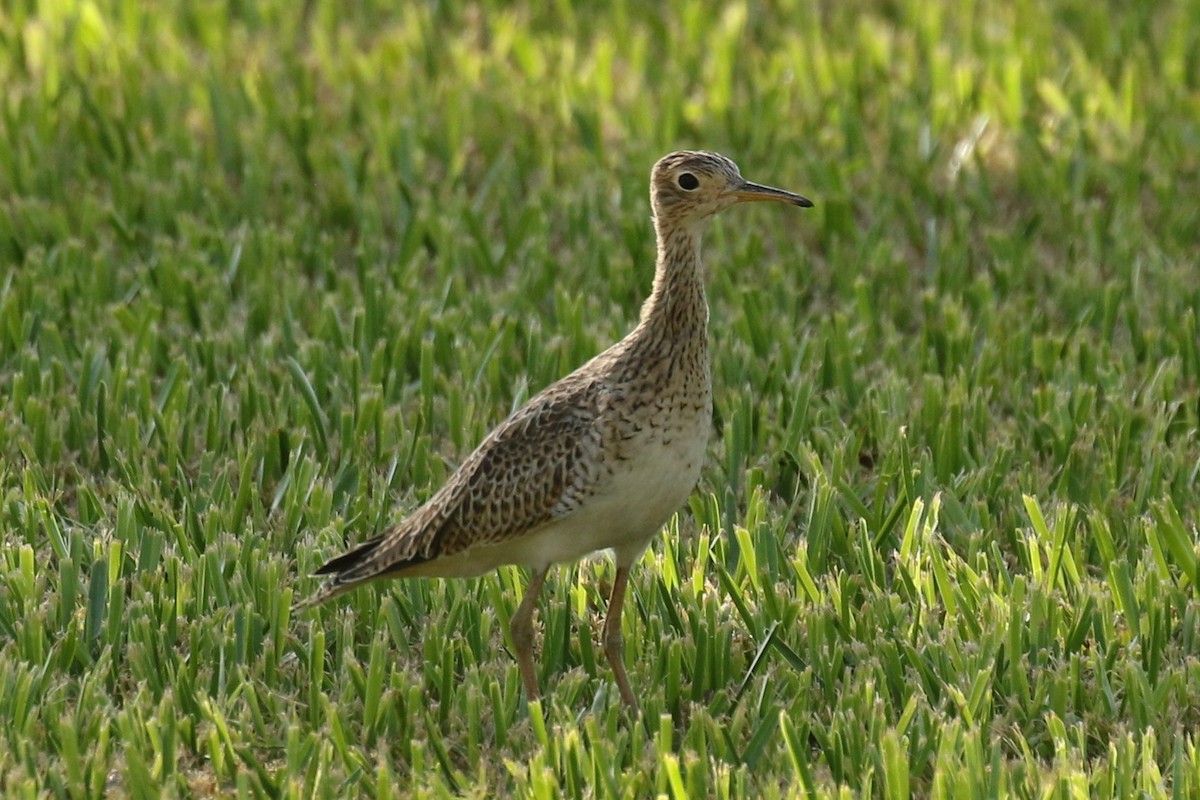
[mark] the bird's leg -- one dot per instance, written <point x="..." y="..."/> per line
<point x="613" y="644"/>
<point x="521" y="628"/>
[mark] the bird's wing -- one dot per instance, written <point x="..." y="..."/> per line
<point x="536" y="467"/>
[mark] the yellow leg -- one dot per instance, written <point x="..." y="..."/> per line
<point x="613" y="644"/>
<point x="521" y="629"/>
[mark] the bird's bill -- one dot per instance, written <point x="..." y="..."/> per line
<point x="757" y="193"/>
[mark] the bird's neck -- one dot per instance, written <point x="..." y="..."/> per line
<point x="677" y="304"/>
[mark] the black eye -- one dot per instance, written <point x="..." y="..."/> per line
<point x="688" y="181"/>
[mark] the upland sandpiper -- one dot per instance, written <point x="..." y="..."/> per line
<point x="598" y="460"/>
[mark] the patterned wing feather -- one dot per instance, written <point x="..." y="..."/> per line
<point x="536" y="467"/>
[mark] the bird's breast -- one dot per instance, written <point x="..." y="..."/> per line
<point x="658" y="445"/>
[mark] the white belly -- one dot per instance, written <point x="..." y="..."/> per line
<point x="631" y="508"/>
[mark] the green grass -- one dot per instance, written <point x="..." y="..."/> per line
<point x="268" y="270"/>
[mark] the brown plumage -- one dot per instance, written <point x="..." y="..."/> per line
<point x="598" y="460"/>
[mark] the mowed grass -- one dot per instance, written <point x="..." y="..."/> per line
<point x="269" y="270"/>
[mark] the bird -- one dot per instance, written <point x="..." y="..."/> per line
<point x="599" y="460"/>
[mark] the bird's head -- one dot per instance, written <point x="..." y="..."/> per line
<point x="691" y="185"/>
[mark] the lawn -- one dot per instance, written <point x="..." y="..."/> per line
<point x="269" y="270"/>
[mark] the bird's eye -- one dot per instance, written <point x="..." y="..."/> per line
<point x="688" y="181"/>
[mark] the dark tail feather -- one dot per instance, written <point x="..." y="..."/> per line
<point x="342" y="571"/>
<point x="352" y="569"/>
<point x="349" y="560"/>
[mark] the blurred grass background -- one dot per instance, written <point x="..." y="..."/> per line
<point x="268" y="270"/>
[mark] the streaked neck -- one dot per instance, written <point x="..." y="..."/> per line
<point x="677" y="302"/>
